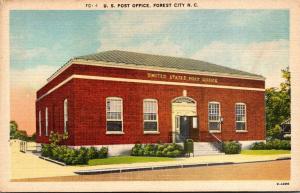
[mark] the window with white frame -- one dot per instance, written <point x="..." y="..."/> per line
<point x="46" y="121"/>
<point x="40" y="123"/>
<point x="150" y="115"/>
<point x="114" y="114"/>
<point x="214" y="123"/>
<point x="240" y="116"/>
<point x="66" y="115"/>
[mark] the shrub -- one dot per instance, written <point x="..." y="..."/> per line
<point x="165" y="152"/>
<point x="72" y="156"/>
<point x="285" y="144"/>
<point x="140" y="152"/>
<point x="159" y="150"/>
<point x="170" y="154"/>
<point x="275" y="133"/>
<point x="134" y="151"/>
<point x="82" y="156"/>
<point x="160" y="147"/>
<point x="287" y="137"/>
<point x="46" y="150"/>
<point x="159" y="153"/>
<point x="258" y="145"/>
<point x="152" y="153"/>
<point x="232" y="147"/>
<point x="92" y="153"/>
<point x="177" y="153"/>
<point x="272" y="144"/>
<point x="103" y="152"/>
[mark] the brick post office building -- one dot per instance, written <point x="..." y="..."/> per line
<point x="117" y="98"/>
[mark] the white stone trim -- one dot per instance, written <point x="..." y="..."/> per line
<point x="56" y="87"/>
<point x="113" y="150"/>
<point x="247" y="144"/>
<point x="147" y="82"/>
<point x="151" y="132"/>
<point x="46" y="121"/>
<point x="115" y="132"/>
<point x="241" y="131"/>
<point x="215" y="131"/>
<point x="40" y="123"/>
<point x="143" y="67"/>
<point x="66" y="117"/>
<point x="125" y="149"/>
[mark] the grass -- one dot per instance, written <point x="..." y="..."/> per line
<point x="265" y="152"/>
<point x="127" y="160"/>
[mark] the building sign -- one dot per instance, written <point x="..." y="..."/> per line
<point x="182" y="77"/>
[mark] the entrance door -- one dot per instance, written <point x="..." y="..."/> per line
<point x="188" y="128"/>
<point x="183" y="109"/>
<point x="184" y="127"/>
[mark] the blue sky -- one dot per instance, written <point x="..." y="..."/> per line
<point x="250" y="40"/>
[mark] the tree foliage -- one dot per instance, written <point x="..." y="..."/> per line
<point x="278" y="102"/>
<point x="15" y="133"/>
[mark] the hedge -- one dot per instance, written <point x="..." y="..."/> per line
<point x="272" y="144"/>
<point x="232" y="147"/>
<point x="157" y="150"/>
<point x="72" y="156"/>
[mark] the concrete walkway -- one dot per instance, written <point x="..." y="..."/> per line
<point x="27" y="165"/>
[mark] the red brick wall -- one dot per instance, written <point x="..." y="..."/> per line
<point x="87" y="119"/>
<point x="54" y="101"/>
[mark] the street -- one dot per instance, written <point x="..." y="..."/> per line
<point x="272" y="170"/>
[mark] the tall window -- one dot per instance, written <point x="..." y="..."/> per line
<point x="114" y="114"/>
<point x="240" y="116"/>
<point x="46" y="121"/>
<point x="65" y="115"/>
<point x="40" y="123"/>
<point x="150" y="115"/>
<point x="214" y="123"/>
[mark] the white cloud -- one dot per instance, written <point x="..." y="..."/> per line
<point x="31" y="78"/>
<point x="142" y="31"/>
<point x="164" y="47"/>
<point x="265" y="58"/>
<point x="120" y="29"/>
<point x="27" y="54"/>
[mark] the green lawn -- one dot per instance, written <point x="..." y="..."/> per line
<point x="127" y="160"/>
<point x="265" y="152"/>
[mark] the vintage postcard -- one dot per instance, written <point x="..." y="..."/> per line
<point x="150" y="96"/>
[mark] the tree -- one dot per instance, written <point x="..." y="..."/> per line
<point x="13" y="129"/>
<point x="15" y="133"/>
<point x="32" y="137"/>
<point x="278" y="102"/>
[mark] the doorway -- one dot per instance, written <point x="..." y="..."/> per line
<point x="184" y="119"/>
<point x="188" y="128"/>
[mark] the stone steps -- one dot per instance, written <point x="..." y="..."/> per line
<point x="205" y="148"/>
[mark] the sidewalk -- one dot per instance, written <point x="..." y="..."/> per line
<point x="27" y="165"/>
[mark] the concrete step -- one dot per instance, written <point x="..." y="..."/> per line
<point x="205" y="148"/>
<point x="205" y="154"/>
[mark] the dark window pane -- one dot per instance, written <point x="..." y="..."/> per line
<point x="150" y="126"/>
<point x="214" y="125"/>
<point x="240" y="126"/>
<point x="114" y="125"/>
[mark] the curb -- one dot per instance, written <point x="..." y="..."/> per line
<point x="53" y="161"/>
<point x="162" y="167"/>
<point x="132" y="169"/>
